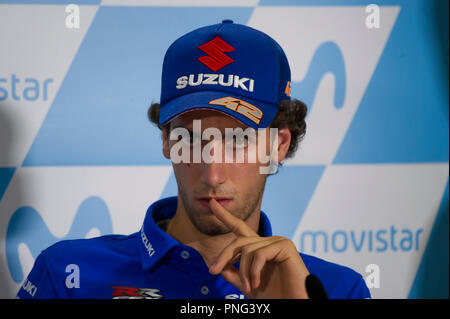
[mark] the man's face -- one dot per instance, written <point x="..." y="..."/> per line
<point x="236" y="186"/>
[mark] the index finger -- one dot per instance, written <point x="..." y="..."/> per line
<point x="236" y="225"/>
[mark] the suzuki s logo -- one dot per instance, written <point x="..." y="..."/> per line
<point x="216" y="58"/>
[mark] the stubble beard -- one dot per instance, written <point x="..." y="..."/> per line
<point x="203" y="223"/>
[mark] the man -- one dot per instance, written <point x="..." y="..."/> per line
<point x="232" y="83"/>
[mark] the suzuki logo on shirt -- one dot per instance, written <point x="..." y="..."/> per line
<point x="29" y="287"/>
<point x="246" y="84"/>
<point x="147" y="243"/>
<point x="136" y="293"/>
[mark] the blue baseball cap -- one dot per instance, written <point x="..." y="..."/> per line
<point x="227" y="67"/>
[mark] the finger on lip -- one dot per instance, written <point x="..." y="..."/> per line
<point x="236" y="225"/>
<point x="218" y="208"/>
<point x="206" y="201"/>
<point x="221" y="201"/>
<point x="211" y="201"/>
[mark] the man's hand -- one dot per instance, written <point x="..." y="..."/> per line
<point x="270" y="267"/>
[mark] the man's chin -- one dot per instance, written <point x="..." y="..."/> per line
<point x="215" y="232"/>
<point x="211" y="227"/>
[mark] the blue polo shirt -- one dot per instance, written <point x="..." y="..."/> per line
<point x="152" y="264"/>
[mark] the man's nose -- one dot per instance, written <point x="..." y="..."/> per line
<point x="213" y="171"/>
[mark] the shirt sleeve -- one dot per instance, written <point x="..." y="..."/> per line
<point x="360" y="290"/>
<point x="38" y="284"/>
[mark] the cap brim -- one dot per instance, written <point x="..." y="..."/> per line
<point x="246" y="112"/>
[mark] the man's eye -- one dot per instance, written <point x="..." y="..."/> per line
<point x="185" y="140"/>
<point x="192" y="140"/>
<point x="237" y="142"/>
<point x="241" y="142"/>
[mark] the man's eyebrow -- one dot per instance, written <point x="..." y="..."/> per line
<point x="224" y="132"/>
<point x="181" y="126"/>
<point x="191" y="133"/>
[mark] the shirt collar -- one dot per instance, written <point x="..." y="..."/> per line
<point x="155" y="243"/>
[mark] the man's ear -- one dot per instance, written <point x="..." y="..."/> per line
<point x="165" y="141"/>
<point x="284" y="141"/>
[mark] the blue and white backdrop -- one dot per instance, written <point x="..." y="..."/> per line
<point x="368" y="187"/>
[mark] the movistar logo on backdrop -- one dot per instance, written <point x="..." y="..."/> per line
<point x="27" y="227"/>
<point x="379" y="240"/>
<point x="24" y="89"/>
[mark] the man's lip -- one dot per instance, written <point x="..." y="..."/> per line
<point x="217" y="198"/>
<point x="204" y="201"/>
